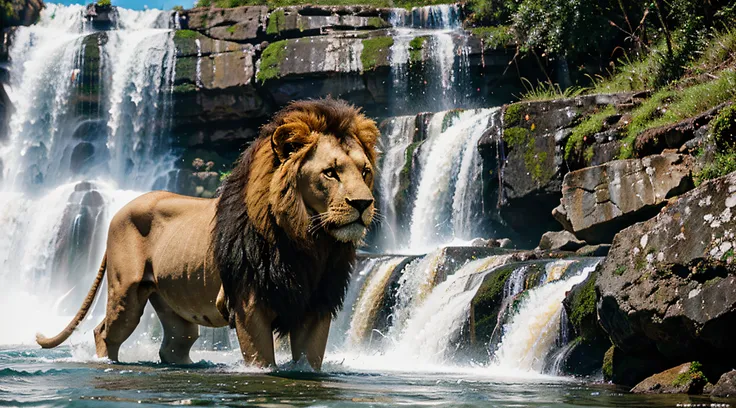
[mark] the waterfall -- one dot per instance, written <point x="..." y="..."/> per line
<point x="431" y="219"/>
<point x="394" y="142"/>
<point x="533" y="330"/>
<point x="91" y="125"/>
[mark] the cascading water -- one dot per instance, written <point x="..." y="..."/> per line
<point x="531" y="334"/>
<point x="90" y="105"/>
<point x="444" y="154"/>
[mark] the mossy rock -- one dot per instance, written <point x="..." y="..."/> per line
<point x="686" y="378"/>
<point x="375" y="51"/>
<point x="271" y="60"/>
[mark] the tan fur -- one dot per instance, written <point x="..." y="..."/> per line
<point x="159" y="247"/>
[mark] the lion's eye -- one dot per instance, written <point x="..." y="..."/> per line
<point x="330" y="173"/>
<point x="366" y="172"/>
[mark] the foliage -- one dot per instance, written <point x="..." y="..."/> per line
<point x="449" y="118"/>
<point x="178" y="8"/>
<point x="607" y="367"/>
<point x="185" y="34"/>
<point x="273" y="4"/>
<point x="723" y="127"/>
<point x="669" y="106"/>
<point x="693" y="374"/>
<point x="276" y="22"/>
<point x="203" y="3"/>
<point x="104" y="3"/>
<point x="378" y="22"/>
<point x="512" y="115"/>
<point x="587" y="128"/>
<point x="231" y="29"/>
<point x="545" y="91"/>
<point x="415" y="48"/>
<point x="722" y="164"/>
<point x="184" y="88"/>
<point x="494" y="37"/>
<point x="373" y="49"/>
<point x="487" y="303"/>
<point x="7" y="11"/>
<point x="271" y="60"/>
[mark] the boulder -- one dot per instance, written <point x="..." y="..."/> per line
<point x="726" y="386"/>
<point x="24" y="13"/>
<point x="560" y="241"/>
<point x="668" y="285"/>
<point x="629" y="369"/>
<point x="242" y="24"/>
<point x="534" y="136"/>
<point x="599" y="201"/>
<point x="686" y="378"/>
<point x="594" y="250"/>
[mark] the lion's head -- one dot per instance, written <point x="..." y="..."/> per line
<point x="313" y="171"/>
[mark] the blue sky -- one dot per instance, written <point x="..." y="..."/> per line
<point x="138" y="4"/>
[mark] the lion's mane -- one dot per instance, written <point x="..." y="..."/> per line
<point x="261" y="239"/>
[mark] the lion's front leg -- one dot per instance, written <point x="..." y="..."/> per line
<point x="253" y="327"/>
<point x="310" y="339"/>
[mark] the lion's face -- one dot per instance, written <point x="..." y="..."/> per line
<point x="335" y="182"/>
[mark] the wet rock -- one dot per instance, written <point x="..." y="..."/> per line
<point x="535" y="134"/>
<point x="599" y="201"/>
<point x="560" y="241"/>
<point x="6" y="108"/>
<point x="629" y="369"/>
<point x="242" y="24"/>
<point x="25" y="13"/>
<point x="726" y="386"/>
<point x="102" y="17"/>
<point x="686" y="378"/>
<point x="300" y="21"/>
<point x="492" y="243"/>
<point x="668" y="286"/>
<point x="594" y="250"/>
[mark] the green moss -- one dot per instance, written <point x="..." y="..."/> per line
<point x="587" y="128"/>
<point x="620" y="270"/>
<point x="104" y="3"/>
<point x="271" y="60"/>
<point x="534" y="160"/>
<point x="185" y="34"/>
<point x="276" y="22"/>
<point x="375" y="50"/>
<point x="723" y="163"/>
<point x="184" y="88"/>
<point x="494" y="37"/>
<point x="231" y="29"/>
<point x="693" y="375"/>
<point x="512" y="115"/>
<point x="607" y="367"/>
<point x="415" y="49"/>
<point x="583" y="314"/>
<point x="487" y="303"/>
<point x="377" y="22"/>
<point x="670" y="106"/>
<point x="723" y="128"/>
<point x="449" y="118"/>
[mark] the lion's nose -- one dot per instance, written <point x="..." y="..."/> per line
<point x="360" y="204"/>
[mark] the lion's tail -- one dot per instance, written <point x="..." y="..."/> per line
<point x="46" y="342"/>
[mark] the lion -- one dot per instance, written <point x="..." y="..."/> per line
<point x="284" y="232"/>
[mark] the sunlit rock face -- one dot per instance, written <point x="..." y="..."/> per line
<point x="599" y="201"/>
<point x="668" y="286"/>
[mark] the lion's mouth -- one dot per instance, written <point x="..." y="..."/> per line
<point x="350" y="232"/>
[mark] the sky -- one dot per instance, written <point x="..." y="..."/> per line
<point x="138" y="4"/>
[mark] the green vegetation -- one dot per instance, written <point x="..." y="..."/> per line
<point x="722" y="164"/>
<point x="534" y="160"/>
<point x="178" y="8"/>
<point x="375" y="50"/>
<point x="545" y="91"/>
<point x="449" y="118"/>
<point x="723" y="128"/>
<point x="672" y="105"/>
<point x="271" y="60"/>
<point x="276" y="22"/>
<point x="487" y="303"/>
<point x="415" y="49"/>
<point x="273" y="4"/>
<point x="607" y="367"/>
<point x="378" y="22"/>
<point x="224" y="175"/>
<point x="494" y="37"/>
<point x="512" y="115"/>
<point x="185" y="34"/>
<point x="7" y="12"/>
<point x="583" y="313"/>
<point x="693" y="375"/>
<point x="587" y="128"/>
<point x="231" y="29"/>
<point x="104" y="3"/>
<point x="184" y="88"/>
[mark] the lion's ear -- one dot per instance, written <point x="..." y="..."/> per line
<point x="288" y="139"/>
<point x="368" y="134"/>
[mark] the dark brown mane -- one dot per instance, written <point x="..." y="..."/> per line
<point x="255" y="251"/>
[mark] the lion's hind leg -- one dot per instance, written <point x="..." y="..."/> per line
<point x="179" y="334"/>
